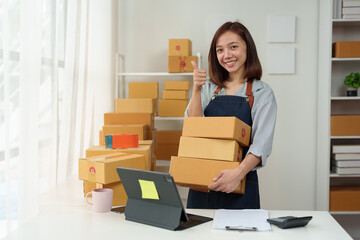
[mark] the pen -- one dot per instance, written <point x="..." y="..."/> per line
<point x="240" y="228"/>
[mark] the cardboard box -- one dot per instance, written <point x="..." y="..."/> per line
<point x="165" y="151"/>
<point x="348" y="49"/>
<point x="217" y="127"/>
<point x="149" y="143"/>
<point x="178" y="64"/>
<point x="210" y="148"/>
<point x="101" y="139"/>
<point x="153" y="163"/>
<point x="172" y="108"/>
<point x="144" y="90"/>
<point x="174" y="94"/>
<point x="145" y="150"/>
<point x="119" y="195"/>
<point x="168" y="137"/>
<point x="177" y="85"/>
<point x="135" y="105"/>
<point x="344" y="198"/>
<point x="345" y="125"/>
<point x="167" y="144"/>
<point x="129" y="118"/>
<point x="199" y="173"/>
<point x="151" y="134"/>
<point x="139" y="129"/>
<point x="180" y="47"/>
<point x="102" y="168"/>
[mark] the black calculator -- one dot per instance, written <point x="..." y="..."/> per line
<point x="290" y="221"/>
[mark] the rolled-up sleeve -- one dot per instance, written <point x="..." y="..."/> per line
<point x="262" y="133"/>
<point x="206" y="94"/>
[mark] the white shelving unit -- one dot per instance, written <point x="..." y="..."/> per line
<point x="120" y="74"/>
<point x="339" y="103"/>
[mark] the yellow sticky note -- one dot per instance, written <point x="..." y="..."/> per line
<point x="148" y="189"/>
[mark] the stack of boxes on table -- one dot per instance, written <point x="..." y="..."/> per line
<point x="133" y="118"/>
<point x="345" y="160"/>
<point x="174" y="99"/>
<point x="207" y="146"/>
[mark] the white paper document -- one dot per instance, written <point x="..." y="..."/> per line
<point x="247" y="218"/>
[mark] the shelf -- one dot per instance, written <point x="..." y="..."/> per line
<point x="169" y="118"/>
<point x="346" y="22"/>
<point x="344" y="98"/>
<point x="335" y="175"/>
<point x="345" y="212"/>
<point x="154" y="74"/>
<point x="344" y="59"/>
<point x="345" y="137"/>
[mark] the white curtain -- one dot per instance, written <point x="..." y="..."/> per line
<point x="56" y="71"/>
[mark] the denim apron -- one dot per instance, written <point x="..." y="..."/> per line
<point x="239" y="107"/>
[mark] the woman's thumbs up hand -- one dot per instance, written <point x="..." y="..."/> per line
<point x="199" y="77"/>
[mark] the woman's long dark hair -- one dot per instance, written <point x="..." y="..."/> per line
<point x="253" y="70"/>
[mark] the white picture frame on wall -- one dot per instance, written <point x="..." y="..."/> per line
<point x="281" y="60"/>
<point x="281" y="29"/>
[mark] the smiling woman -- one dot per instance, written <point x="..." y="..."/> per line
<point x="234" y="89"/>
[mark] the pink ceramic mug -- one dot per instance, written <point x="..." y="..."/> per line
<point x="101" y="199"/>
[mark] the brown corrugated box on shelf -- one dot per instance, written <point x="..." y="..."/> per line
<point x="139" y="129"/>
<point x="178" y="64"/>
<point x="144" y="90"/>
<point x="344" y="198"/>
<point x="180" y="47"/>
<point x="346" y="49"/>
<point x="144" y="150"/>
<point x="141" y="90"/>
<point x="174" y="94"/>
<point x="217" y="127"/>
<point x="165" y="151"/>
<point x="345" y="125"/>
<point x="210" y="148"/>
<point x="177" y="85"/>
<point x="167" y="144"/>
<point x="199" y="173"/>
<point x="129" y="118"/>
<point x="172" y="108"/>
<point x="135" y="105"/>
<point x="151" y="134"/>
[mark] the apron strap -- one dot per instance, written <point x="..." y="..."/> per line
<point x="217" y="90"/>
<point x="248" y="92"/>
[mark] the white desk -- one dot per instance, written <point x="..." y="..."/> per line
<point x="64" y="214"/>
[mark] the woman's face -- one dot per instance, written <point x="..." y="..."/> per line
<point x="231" y="52"/>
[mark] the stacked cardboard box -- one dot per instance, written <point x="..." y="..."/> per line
<point x="167" y="144"/>
<point x="130" y="123"/>
<point x="174" y="99"/>
<point x="140" y="90"/>
<point x="207" y="146"/>
<point x="179" y="59"/>
<point x="100" y="172"/>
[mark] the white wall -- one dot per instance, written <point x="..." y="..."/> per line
<point x="288" y="181"/>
